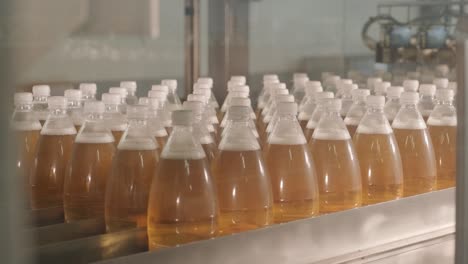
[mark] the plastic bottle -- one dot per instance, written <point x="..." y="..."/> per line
<point x="200" y="130"/>
<point x="441" y="83"/>
<point x="133" y="170"/>
<point x="165" y="113"/>
<point x="309" y="103"/>
<point x="275" y="89"/>
<point x="357" y="110"/>
<point x="233" y="90"/>
<point x="123" y="97"/>
<point x="442" y="125"/>
<point x="155" y="124"/>
<point x="337" y="167"/>
<point x="381" y="88"/>
<point x="90" y="164"/>
<point x="75" y="107"/>
<point x="331" y="83"/>
<point x="183" y="206"/>
<point x="411" y="85"/>
<point x="320" y="100"/>
<point x="209" y="83"/>
<point x="427" y="101"/>
<point x="40" y="107"/>
<point x="209" y="108"/>
<point x="88" y="91"/>
<point x="173" y="101"/>
<point x="244" y="102"/>
<point x="274" y="116"/>
<point x="347" y="98"/>
<point x="340" y="85"/>
<point x="114" y="119"/>
<point x="378" y="155"/>
<point x="26" y="130"/>
<point x="52" y="156"/>
<point x="310" y="88"/>
<point x="209" y="117"/>
<point x="299" y="81"/>
<point x="393" y="105"/>
<point x="292" y="170"/>
<point x="242" y="181"/>
<point x="131" y="87"/>
<point x="416" y="150"/>
<point x="265" y="93"/>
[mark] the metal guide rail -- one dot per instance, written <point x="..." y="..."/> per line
<point x="371" y="232"/>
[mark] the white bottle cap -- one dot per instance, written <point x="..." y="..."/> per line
<point x="240" y="101"/>
<point x="278" y="86"/>
<point x="153" y="103"/>
<point x="334" y="79"/>
<point x="23" y="98"/>
<point x="324" y="95"/>
<point x="311" y="89"/>
<point x="205" y="92"/>
<point x="409" y="98"/>
<point x="346" y="81"/>
<point x="72" y="94"/>
<point x="376" y="101"/>
<point x="300" y="75"/>
<point x="372" y="81"/>
<point x="57" y="102"/>
<point x="441" y="83"/>
<point x="360" y="93"/>
<point x="233" y="83"/>
<point x="41" y="90"/>
<point x="137" y="112"/>
<point x="171" y="83"/>
<point x="157" y="94"/>
<point x="284" y="98"/>
<point x="333" y="104"/>
<point x="394" y="91"/>
<point x="411" y="85"/>
<point x="197" y="97"/>
<point x="241" y="88"/>
<point x="238" y="94"/>
<point x="381" y="87"/>
<point x="160" y="87"/>
<point x="94" y="107"/>
<point x="182" y="118"/>
<point x="201" y="85"/>
<point x="239" y="78"/>
<point x="119" y="90"/>
<point x="348" y="87"/>
<point x="206" y="80"/>
<point x="287" y="108"/>
<point x="144" y="100"/>
<point x="111" y="99"/>
<point x="88" y="88"/>
<point x="277" y="91"/>
<point x="444" y="94"/>
<point x="129" y="85"/>
<point x="427" y="89"/>
<point x="270" y="78"/>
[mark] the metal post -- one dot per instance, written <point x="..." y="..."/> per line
<point x="192" y="43"/>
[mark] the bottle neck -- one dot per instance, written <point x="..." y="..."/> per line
<point x="375" y="110"/>
<point x="446" y="102"/>
<point x="23" y="108"/>
<point x="74" y="103"/>
<point x="94" y="117"/>
<point x="58" y="112"/>
<point x="137" y="122"/>
<point x="112" y="108"/>
<point x="40" y="99"/>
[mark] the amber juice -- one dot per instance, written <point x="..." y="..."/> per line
<point x="210" y="150"/>
<point x="117" y="136"/>
<point x="182" y="205"/>
<point x="128" y="189"/>
<point x="294" y="182"/>
<point x="244" y="191"/>
<point x="381" y="168"/>
<point x="418" y="159"/>
<point x="26" y="142"/>
<point x="49" y="168"/>
<point x="303" y="124"/>
<point x="85" y="181"/>
<point x="444" y="140"/>
<point x="338" y="174"/>
<point x="352" y="129"/>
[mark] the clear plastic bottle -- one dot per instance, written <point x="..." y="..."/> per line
<point x="442" y="125"/>
<point x="123" y="97"/>
<point x="299" y="81"/>
<point x="244" y="102"/>
<point x="331" y="83"/>
<point x="309" y="104"/>
<point x="209" y="117"/>
<point x="115" y="120"/>
<point x="88" y="91"/>
<point x="209" y="84"/>
<point x="165" y="113"/>
<point x="381" y="88"/>
<point x="337" y="167"/>
<point x="200" y="130"/>
<point x="133" y="170"/>
<point x="242" y="181"/>
<point x="411" y="85"/>
<point x="182" y="206"/>
<point x="209" y="108"/>
<point x="292" y="170"/>
<point x="155" y="124"/>
<point x="131" y="87"/>
<point x="265" y="93"/>
<point x="233" y="91"/>
<point x="416" y="150"/>
<point x="320" y="100"/>
<point x="40" y="107"/>
<point x="90" y="164"/>
<point x="75" y="107"/>
<point x="173" y="101"/>
<point x="441" y="83"/>
<point x="274" y="116"/>
<point x="26" y="130"/>
<point x="427" y="101"/>
<point x="340" y="84"/>
<point x="378" y="155"/>
<point x="393" y="105"/>
<point x="347" y="98"/>
<point x="276" y="89"/>
<point x="311" y="87"/>
<point x="53" y="153"/>
<point x="357" y="110"/>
